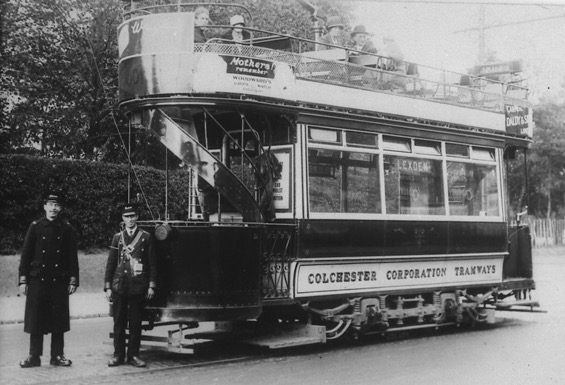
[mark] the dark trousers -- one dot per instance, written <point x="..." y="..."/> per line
<point x="128" y="309"/>
<point x="36" y="344"/>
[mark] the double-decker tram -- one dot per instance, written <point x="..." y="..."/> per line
<point x="328" y="195"/>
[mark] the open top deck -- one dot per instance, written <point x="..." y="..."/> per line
<point x="279" y="69"/>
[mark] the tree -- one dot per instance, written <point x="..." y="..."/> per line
<point x="60" y="75"/>
<point x="547" y="163"/>
<point x="60" y="70"/>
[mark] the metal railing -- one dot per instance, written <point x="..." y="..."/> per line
<point x="418" y="81"/>
<point x="485" y="95"/>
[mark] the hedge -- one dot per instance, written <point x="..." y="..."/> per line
<point x="94" y="190"/>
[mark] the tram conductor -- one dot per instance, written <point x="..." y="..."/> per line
<point x="129" y="281"/>
<point x="48" y="274"/>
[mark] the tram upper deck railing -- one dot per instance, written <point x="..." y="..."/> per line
<point x="350" y="68"/>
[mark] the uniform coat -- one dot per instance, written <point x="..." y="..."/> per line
<point x="130" y="271"/>
<point x="48" y="265"/>
<point x="119" y="275"/>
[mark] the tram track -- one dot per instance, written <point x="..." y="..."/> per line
<point x="165" y="365"/>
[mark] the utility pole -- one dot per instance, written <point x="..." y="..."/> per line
<point x="482" y="27"/>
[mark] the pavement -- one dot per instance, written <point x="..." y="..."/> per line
<point x="81" y="305"/>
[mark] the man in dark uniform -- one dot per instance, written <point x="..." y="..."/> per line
<point x="130" y="279"/>
<point x="48" y="274"/>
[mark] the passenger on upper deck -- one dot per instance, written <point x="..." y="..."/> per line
<point x="237" y="34"/>
<point x="395" y="56"/>
<point x="360" y="40"/>
<point x="201" y="19"/>
<point x="394" y="66"/>
<point x="334" y="35"/>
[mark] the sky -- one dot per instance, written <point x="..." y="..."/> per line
<point x="429" y="33"/>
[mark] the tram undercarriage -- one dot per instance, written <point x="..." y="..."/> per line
<point x="319" y="322"/>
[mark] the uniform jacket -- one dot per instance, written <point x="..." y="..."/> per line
<point x="131" y="266"/>
<point x="48" y="264"/>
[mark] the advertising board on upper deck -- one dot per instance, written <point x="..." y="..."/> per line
<point x="156" y="54"/>
<point x="232" y="73"/>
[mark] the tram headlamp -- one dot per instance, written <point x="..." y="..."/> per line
<point x="162" y="231"/>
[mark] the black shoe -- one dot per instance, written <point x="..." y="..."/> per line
<point x="116" y="361"/>
<point x="60" y="361"/>
<point x="135" y="361"/>
<point x="31" y="362"/>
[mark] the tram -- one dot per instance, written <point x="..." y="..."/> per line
<point x="329" y="197"/>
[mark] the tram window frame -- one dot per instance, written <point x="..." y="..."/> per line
<point x="350" y="136"/>
<point x="325" y="131"/>
<point x="397" y="143"/>
<point x="347" y="196"/>
<point x="441" y="153"/>
<point x="468" y="195"/>
<point x="483" y="153"/>
<point x="451" y="150"/>
<point x="427" y="147"/>
<point x="414" y="181"/>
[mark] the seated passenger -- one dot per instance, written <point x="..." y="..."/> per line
<point x="334" y="35"/>
<point x="393" y="63"/>
<point x="201" y="19"/>
<point x="395" y="56"/>
<point x="237" y="34"/>
<point x="360" y="41"/>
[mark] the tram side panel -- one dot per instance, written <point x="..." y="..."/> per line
<point x="208" y="273"/>
<point x="353" y="238"/>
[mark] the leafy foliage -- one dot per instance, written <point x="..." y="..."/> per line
<point x="93" y="190"/>
<point x="547" y="163"/>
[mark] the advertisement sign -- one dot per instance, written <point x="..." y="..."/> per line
<point x="329" y="279"/>
<point x="281" y="187"/>
<point x="507" y="67"/>
<point x="517" y="119"/>
<point x="156" y="54"/>
<point x="243" y="75"/>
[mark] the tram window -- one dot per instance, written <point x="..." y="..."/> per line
<point x="427" y="147"/>
<point x="413" y="186"/>
<point x="397" y="143"/>
<point x="360" y="139"/>
<point x="457" y="150"/>
<point x="343" y="182"/>
<point x="325" y="136"/>
<point x="483" y="153"/>
<point x="472" y="189"/>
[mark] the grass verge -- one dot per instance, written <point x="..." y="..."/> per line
<point x="92" y="266"/>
